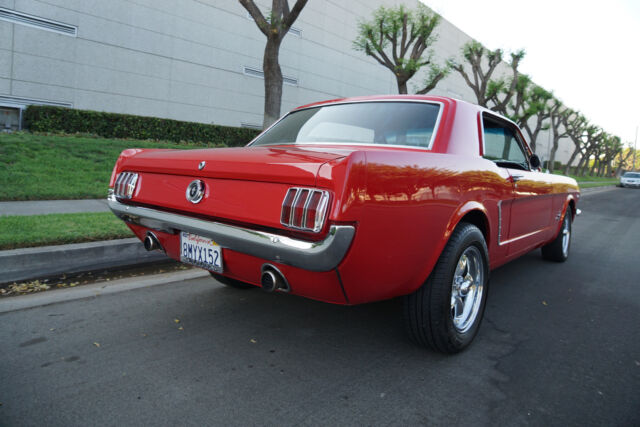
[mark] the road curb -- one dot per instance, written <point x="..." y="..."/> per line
<point x="49" y="261"/>
<point x="96" y="289"/>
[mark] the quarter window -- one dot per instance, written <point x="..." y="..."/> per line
<point x="501" y="144"/>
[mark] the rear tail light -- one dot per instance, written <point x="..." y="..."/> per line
<point x="125" y="185"/>
<point x="304" y="209"/>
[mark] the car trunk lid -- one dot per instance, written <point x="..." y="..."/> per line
<point x="287" y="165"/>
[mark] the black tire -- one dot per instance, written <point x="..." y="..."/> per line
<point x="232" y="283"/>
<point x="556" y="250"/>
<point x="429" y="315"/>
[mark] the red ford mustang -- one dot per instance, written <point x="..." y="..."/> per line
<point x="358" y="200"/>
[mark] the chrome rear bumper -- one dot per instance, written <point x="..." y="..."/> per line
<point x="324" y="255"/>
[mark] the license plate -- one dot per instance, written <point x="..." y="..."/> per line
<point x="200" y="251"/>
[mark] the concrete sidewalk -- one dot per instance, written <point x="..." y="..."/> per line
<point x="43" y="207"/>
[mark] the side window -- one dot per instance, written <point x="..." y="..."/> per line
<point x="501" y="145"/>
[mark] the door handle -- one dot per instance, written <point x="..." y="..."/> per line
<point x="516" y="178"/>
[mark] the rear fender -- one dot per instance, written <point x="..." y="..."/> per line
<point x="130" y="152"/>
<point x="458" y="215"/>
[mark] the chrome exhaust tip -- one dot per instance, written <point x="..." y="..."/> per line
<point x="151" y="242"/>
<point x="269" y="281"/>
<point x="272" y="279"/>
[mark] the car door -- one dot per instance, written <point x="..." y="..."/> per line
<point x="529" y="209"/>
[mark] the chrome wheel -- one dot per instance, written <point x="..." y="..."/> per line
<point x="566" y="234"/>
<point x="467" y="288"/>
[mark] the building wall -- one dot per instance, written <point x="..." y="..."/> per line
<point x="150" y="57"/>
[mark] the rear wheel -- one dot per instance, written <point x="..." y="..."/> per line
<point x="232" y="283"/>
<point x="558" y="250"/>
<point x="445" y="312"/>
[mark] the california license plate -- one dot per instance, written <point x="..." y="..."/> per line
<point x="200" y="251"/>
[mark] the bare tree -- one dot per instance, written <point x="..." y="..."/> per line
<point x="397" y="39"/>
<point x="274" y="27"/>
<point x="490" y="92"/>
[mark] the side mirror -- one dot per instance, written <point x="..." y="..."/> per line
<point x="535" y="161"/>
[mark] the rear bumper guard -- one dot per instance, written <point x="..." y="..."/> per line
<point x="324" y="255"/>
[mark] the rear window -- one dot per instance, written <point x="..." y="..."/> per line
<point x="384" y="123"/>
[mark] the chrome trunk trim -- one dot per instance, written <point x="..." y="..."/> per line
<point x="324" y="255"/>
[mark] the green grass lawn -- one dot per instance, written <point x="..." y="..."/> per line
<point x="597" y="184"/>
<point x="57" y="229"/>
<point x="592" y="181"/>
<point x="48" y="167"/>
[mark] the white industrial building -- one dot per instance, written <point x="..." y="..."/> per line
<point x="194" y="60"/>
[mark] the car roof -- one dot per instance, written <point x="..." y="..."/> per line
<point x="373" y="98"/>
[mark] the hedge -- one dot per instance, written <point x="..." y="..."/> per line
<point x="110" y="125"/>
<point x="556" y="165"/>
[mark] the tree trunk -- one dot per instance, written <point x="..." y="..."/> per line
<point x="272" y="82"/>
<point x="580" y="163"/>
<point x="594" y="168"/>
<point x="585" y="165"/>
<point x="552" y="155"/>
<point x="623" y="160"/>
<point x="402" y="86"/>
<point x="567" y="169"/>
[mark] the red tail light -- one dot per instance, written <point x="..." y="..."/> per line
<point x="304" y="209"/>
<point x="125" y="185"/>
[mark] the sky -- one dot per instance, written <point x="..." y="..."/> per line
<point x="586" y="52"/>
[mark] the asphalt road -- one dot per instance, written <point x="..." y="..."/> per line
<point x="560" y="345"/>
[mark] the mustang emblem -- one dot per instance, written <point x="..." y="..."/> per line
<point x="195" y="191"/>
<point x="201" y="165"/>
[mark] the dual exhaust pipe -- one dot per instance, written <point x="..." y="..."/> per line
<point x="151" y="242"/>
<point x="271" y="278"/>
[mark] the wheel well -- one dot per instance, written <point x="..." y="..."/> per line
<point x="478" y="219"/>
<point x="572" y="206"/>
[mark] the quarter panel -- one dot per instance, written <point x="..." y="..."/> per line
<point x="411" y="203"/>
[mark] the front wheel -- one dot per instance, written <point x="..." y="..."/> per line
<point x="445" y="312"/>
<point x="558" y="249"/>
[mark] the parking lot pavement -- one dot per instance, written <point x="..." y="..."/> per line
<point x="558" y="346"/>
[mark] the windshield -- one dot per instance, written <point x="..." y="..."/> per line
<point x="632" y="175"/>
<point x="387" y="123"/>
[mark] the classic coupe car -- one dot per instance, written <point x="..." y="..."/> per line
<point x="358" y="200"/>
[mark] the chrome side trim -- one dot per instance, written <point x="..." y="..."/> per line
<point x="524" y="236"/>
<point x="499" y="222"/>
<point x="324" y="255"/>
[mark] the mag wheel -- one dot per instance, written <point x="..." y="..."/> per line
<point x="445" y="312"/>
<point x="558" y="249"/>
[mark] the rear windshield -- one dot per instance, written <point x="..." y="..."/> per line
<point x="386" y="123"/>
<point x="632" y="175"/>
